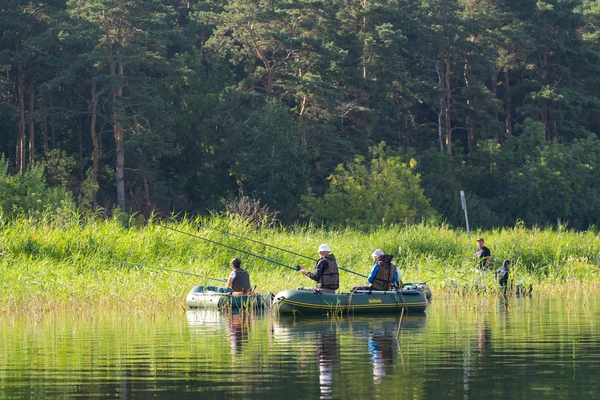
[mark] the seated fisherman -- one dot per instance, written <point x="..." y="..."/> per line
<point x="239" y="279"/>
<point x="383" y="274"/>
<point x="326" y="273"/>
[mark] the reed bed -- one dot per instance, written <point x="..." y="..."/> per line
<point x="74" y="262"/>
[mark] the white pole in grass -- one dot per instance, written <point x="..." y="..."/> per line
<point x="463" y="202"/>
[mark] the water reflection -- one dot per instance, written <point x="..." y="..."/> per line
<point x="328" y="354"/>
<point x="239" y="325"/>
<point x="383" y="347"/>
<point x="375" y="345"/>
<point x="533" y="348"/>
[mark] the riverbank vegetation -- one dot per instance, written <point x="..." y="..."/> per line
<point x="73" y="260"/>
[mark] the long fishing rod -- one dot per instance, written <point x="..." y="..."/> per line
<point x="255" y="255"/>
<point x="279" y="248"/>
<point x="264" y="244"/>
<point x="170" y="270"/>
<point x="233" y="248"/>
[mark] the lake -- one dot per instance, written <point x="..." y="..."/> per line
<point x="530" y="348"/>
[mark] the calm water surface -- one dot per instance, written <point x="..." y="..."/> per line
<point x="531" y="348"/>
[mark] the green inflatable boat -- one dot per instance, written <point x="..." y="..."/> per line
<point x="422" y="286"/>
<point x="220" y="298"/>
<point x="308" y="301"/>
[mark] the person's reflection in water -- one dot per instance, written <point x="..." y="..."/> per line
<point x="383" y="346"/>
<point x="328" y="350"/>
<point x="484" y="339"/>
<point x="238" y="332"/>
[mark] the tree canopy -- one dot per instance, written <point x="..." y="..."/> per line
<point x="177" y="106"/>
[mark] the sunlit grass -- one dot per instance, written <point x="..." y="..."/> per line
<point x="76" y="263"/>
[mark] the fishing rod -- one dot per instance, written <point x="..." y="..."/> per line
<point x="279" y="248"/>
<point x="264" y="244"/>
<point x="255" y="255"/>
<point x="233" y="248"/>
<point x="167" y="269"/>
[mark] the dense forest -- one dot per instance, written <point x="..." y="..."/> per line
<point x="336" y="111"/>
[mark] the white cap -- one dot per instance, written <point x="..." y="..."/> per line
<point x="377" y="253"/>
<point x="324" y="247"/>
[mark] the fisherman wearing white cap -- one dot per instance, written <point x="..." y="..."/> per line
<point x="384" y="273"/>
<point x="326" y="274"/>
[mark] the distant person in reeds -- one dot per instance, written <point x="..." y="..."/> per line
<point x="502" y="274"/>
<point x="239" y="279"/>
<point x="384" y="273"/>
<point x="483" y="255"/>
<point x="326" y="273"/>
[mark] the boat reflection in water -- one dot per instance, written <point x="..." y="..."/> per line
<point x="239" y="326"/>
<point x="383" y="347"/>
<point x="370" y="341"/>
<point x="210" y="322"/>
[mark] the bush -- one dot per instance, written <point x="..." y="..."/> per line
<point x="28" y="195"/>
<point x="384" y="190"/>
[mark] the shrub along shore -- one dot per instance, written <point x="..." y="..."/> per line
<point x="75" y="261"/>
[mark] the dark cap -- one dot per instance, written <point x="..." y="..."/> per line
<point x="236" y="262"/>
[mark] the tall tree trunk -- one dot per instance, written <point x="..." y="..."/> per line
<point x="468" y="122"/>
<point x="80" y="145"/>
<point x="447" y="111"/>
<point x="119" y="137"/>
<point x="507" y="106"/>
<point x="494" y="83"/>
<point x="52" y="134"/>
<point x="21" y="137"/>
<point x="440" y="113"/>
<point x="545" y="105"/>
<point x="46" y="135"/>
<point x="94" y="136"/>
<point x="31" y="124"/>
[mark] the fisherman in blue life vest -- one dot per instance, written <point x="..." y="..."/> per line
<point x="326" y="274"/>
<point x="384" y="273"/>
<point x="239" y="279"/>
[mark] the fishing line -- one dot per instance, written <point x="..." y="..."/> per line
<point x="167" y="269"/>
<point x="232" y="248"/>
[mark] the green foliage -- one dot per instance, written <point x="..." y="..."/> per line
<point x="119" y="260"/>
<point x="27" y="195"/>
<point x="385" y="190"/>
<point x="179" y="106"/>
<point x="272" y="165"/>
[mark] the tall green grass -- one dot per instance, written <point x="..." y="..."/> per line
<point x="48" y="262"/>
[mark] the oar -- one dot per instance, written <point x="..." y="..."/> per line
<point x="233" y="248"/>
<point x="170" y="270"/>
<point x="264" y="244"/>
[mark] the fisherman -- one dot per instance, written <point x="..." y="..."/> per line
<point x="502" y="274"/>
<point x="239" y="280"/>
<point x="326" y="274"/>
<point x="483" y="255"/>
<point x="384" y="274"/>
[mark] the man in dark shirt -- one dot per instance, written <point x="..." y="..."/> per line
<point x="326" y="274"/>
<point x="483" y="255"/>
